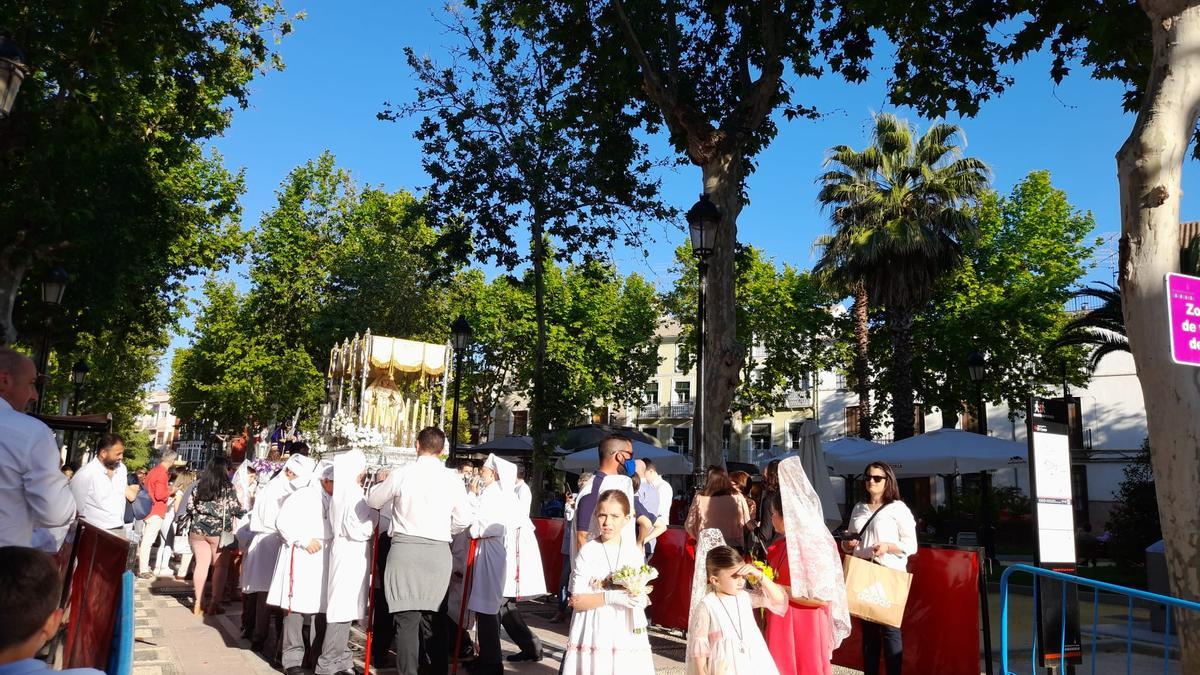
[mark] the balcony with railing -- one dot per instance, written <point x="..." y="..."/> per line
<point x="675" y="410"/>
<point x="797" y="398"/>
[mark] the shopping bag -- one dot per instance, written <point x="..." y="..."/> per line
<point x="874" y="592"/>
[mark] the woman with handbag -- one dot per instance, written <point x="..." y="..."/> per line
<point x="212" y="509"/>
<point x="883" y="530"/>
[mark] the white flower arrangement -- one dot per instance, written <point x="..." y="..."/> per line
<point x="349" y="433"/>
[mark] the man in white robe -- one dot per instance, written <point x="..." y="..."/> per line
<point x="523" y="575"/>
<point x="489" y="527"/>
<point x="298" y="585"/>
<point x="352" y="523"/>
<point x="258" y="565"/>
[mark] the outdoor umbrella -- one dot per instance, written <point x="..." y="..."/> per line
<point x="834" y="450"/>
<point x="817" y="469"/>
<point x="668" y="462"/>
<point x="590" y="435"/>
<point x="941" y="452"/>
<point x="506" y="444"/>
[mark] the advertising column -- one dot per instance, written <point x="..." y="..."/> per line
<point x="1058" y="641"/>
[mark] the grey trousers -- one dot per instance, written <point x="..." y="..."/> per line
<point x="294" y="647"/>
<point x="335" y="649"/>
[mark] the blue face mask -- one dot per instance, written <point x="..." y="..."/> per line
<point x="630" y="467"/>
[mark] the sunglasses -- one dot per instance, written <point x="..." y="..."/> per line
<point x="875" y="479"/>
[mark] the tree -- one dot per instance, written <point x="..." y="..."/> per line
<point x="100" y="161"/>
<point x="601" y="344"/>
<point x="234" y="373"/>
<point x="909" y="199"/>
<point x="1134" y="521"/>
<point x="1006" y="299"/>
<point x="1102" y="329"/>
<point x="509" y="156"/>
<point x="784" y="313"/>
<point x="836" y="273"/>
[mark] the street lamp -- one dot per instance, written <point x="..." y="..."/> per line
<point x="460" y="338"/>
<point x="977" y="368"/>
<point x="703" y="219"/>
<point x="12" y="72"/>
<point x="54" y="285"/>
<point x="79" y="373"/>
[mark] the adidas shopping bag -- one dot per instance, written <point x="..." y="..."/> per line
<point x="876" y="593"/>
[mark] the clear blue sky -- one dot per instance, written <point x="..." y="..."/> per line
<point x="345" y="59"/>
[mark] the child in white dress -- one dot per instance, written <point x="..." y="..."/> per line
<point x="602" y="640"/>
<point x="723" y="638"/>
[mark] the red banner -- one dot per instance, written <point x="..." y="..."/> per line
<point x="941" y="620"/>
<point x="100" y="558"/>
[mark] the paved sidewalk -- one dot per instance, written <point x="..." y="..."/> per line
<point x="170" y="641"/>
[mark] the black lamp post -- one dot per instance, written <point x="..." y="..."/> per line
<point x="977" y="367"/>
<point x="460" y="338"/>
<point x="12" y="72"/>
<point x="54" y="285"/>
<point x="79" y="373"/>
<point x="703" y="219"/>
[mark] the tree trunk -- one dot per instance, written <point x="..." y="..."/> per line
<point x="900" y="323"/>
<point x="13" y="267"/>
<point x="862" y="360"/>
<point x="1149" y="167"/>
<point x="723" y="356"/>
<point x="538" y="423"/>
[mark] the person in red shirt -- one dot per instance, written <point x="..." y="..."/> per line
<point x="158" y="486"/>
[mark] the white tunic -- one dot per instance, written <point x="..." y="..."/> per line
<point x="525" y="578"/>
<point x="489" y="572"/>
<point x="259" y="562"/>
<point x="352" y="523"/>
<point x="33" y="491"/>
<point x="298" y="584"/>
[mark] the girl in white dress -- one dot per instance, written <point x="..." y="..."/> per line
<point x="602" y="640"/>
<point x="723" y="638"/>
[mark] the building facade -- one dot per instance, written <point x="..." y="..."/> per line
<point x="159" y="421"/>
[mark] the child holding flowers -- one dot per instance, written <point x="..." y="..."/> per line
<point x="603" y="639"/>
<point x="723" y="638"/>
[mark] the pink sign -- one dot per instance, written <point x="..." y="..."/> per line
<point x="1183" y="310"/>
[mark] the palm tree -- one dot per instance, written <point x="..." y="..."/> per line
<point x="1102" y="329"/>
<point x="901" y="211"/>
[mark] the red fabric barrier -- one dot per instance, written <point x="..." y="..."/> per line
<point x="100" y="558"/>
<point x="550" y="538"/>
<point x="941" y="620"/>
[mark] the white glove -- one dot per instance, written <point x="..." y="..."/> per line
<point x="624" y="599"/>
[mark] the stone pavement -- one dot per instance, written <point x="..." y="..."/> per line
<point x="170" y="641"/>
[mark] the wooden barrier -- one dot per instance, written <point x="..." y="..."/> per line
<point x="100" y="559"/>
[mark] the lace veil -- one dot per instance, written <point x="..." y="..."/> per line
<point x="813" y="560"/>
<point x="707" y="541"/>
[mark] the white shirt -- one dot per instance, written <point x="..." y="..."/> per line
<point x="101" y="498"/>
<point x="427" y="500"/>
<point x="33" y="490"/>
<point x="894" y="525"/>
<point x="665" y="495"/>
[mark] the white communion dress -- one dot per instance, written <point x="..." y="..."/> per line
<point x="602" y="641"/>
<point x="722" y="629"/>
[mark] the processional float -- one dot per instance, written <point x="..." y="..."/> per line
<point x="380" y="392"/>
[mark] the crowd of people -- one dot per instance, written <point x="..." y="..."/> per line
<point x="455" y="550"/>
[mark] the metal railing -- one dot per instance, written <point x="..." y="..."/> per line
<point x="1097" y="586"/>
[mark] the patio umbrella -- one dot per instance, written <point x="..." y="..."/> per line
<point x="941" y="452"/>
<point x="668" y="462"/>
<point x="590" y="435"/>
<point x="508" y="443"/>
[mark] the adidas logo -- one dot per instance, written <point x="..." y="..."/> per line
<point x="875" y="595"/>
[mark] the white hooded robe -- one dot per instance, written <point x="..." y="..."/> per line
<point x="298" y="584"/>
<point x="259" y="562"/>
<point x="353" y="524"/>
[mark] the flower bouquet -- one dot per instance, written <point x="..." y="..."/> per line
<point x="636" y="582"/>
<point x="767" y="571"/>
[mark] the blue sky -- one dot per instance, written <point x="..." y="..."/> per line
<point x="345" y="59"/>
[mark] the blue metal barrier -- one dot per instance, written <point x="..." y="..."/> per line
<point x="1096" y="586"/>
<point x="120" y="660"/>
